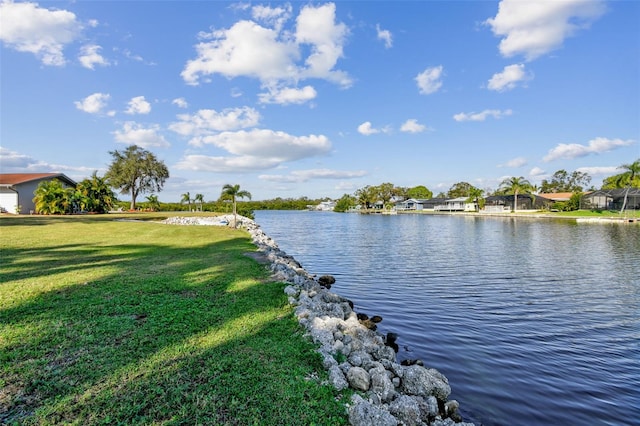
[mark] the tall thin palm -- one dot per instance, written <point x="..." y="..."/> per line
<point x="233" y="192"/>
<point x="627" y="178"/>
<point x="199" y="199"/>
<point x="516" y="185"/>
<point x="186" y="198"/>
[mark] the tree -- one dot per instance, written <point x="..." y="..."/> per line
<point x="515" y="186"/>
<point x="419" y="192"/>
<point x="366" y="196"/>
<point x="154" y="203"/>
<point x="630" y="178"/>
<point x="95" y="194"/>
<point x="460" y="189"/>
<point x="51" y="197"/>
<point x="384" y="193"/>
<point x="475" y="196"/>
<point x="135" y="171"/>
<point x="199" y="199"/>
<point x="232" y="192"/>
<point x="562" y="181"/>
<point x="186" y="198"/>
<point x="344" y="203"/>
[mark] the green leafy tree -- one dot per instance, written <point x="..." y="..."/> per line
<point x="561" y="181"/>
<point x="199" y="199"/>
<point x="366" y="196"/>
<point x="460" y="189"/>
<point x="344" y="203"/>
<point x="154" y="203"/>
<point x="515" y="185"/>
<point x="385" y="192"/>
<point x="135" y="171"/>
<point x="233" y="192"/>
<point x="475" y="196"/>
<point x="51" y="197"/>
<point x="186" y="198"/>
<point x="419" y="192"/>
<point x="95" y="194"/>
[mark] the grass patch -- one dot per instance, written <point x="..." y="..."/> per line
<point x="104" y="322"/>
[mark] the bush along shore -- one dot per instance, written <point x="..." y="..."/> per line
<point x="355" y="355"/>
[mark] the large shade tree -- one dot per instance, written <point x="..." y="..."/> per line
<point x="515" y="185"/>
<point x="233" y="192"/>
<point x="135" y="171"/>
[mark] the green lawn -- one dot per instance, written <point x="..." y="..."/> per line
<point x="113" y="322"/>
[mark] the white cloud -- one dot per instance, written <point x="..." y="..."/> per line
<point x="412" y="126"/>
<point x="273" y="55"/>
<point x="509" y="78"/>
<point x="272" y="16"/>
<point x="600" y="170"/>
<point x="288" y="95"/>
<point x="515" y="162"/>
<point x="534" y="28"/>
<point x="482" y="116"/>
<point x="574" y="150"/>
<point x="26" y="27"/>
<point x="298" y="176"/>
<point x="93" y="104"/>
<point x="180" y="102"/>
<point x="90" y="56"/>
<point x="429" y="81"/>
<point x="133" y="133"/>
<point x="208" y="121"/>
<point x="14" y="162"/>
<point x="385" y="35"/>
<point x="367" y="129"/>
<point x="536" y="172"/>
<point x="138" y="105"/>
<point x="270" y="144"/>
<point x="241" y="164"/>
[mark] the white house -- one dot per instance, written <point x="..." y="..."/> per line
<point x="17" y="190"/>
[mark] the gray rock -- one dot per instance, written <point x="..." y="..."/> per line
<point x="407" y="410"/>
<point x="417" y="380"/>
<point x="381" y="384"/>
<point x="358" y="378"/>
<point x="363" y="413"/>
<point x="336" y="378"/>
<point x="430" y="407"/>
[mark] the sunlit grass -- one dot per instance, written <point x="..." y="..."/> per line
<point x="142" y="323"/>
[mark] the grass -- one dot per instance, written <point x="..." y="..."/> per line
<point x="111" y="322"/>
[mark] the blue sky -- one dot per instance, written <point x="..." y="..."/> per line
<point x="319" y="99"/>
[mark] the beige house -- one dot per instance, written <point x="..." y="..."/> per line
<point x="17" y="190"/>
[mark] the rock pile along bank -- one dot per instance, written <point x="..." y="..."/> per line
<point x="354" y="354"/>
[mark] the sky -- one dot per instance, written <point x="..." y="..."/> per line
<point x="319" y="99"/>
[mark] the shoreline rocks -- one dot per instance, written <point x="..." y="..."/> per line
<point x="355" y="355"/>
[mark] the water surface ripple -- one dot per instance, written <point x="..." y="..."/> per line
<point x="532" y="321"/>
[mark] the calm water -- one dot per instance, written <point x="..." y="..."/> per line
<point x="533" y="322"/>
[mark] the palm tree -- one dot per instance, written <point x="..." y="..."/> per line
<point x="515" y="185"/>
<point x="232" y="192"/>
<point x="475" y="196"/>
<point x="186" y="198"/>
<point x="199" y="198"/>
<point x="628" y="179"/>
<point x="154" y="203"/>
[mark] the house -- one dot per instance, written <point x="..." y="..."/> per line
<point x="324" y="206"/>
<point x="412" y="204"/>
<point x="556" y="197"/>
<point x="612" y="199"/>
<point x="496" y="203"/>
<point x="17" y="190"/>
<point x="459" y="204"/>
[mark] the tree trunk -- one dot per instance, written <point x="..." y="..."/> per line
<point x="515" y="201"/>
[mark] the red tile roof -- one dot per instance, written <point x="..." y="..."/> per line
<point x="18" y="178"/>
<point x="556" y="196"/>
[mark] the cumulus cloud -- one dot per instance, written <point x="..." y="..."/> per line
<point x="298" y="176"/>
<point x="138" y="105"/>
<point x="412" y="126"/>
<point x="271" y="53"/>
<point x="15" y="162"/>
<point x="133" y="133"/>
<point x="600" y="170"/>
<point x="90" y="56"/>
<point x="385" y="35"/>
<point x="367" y="129"/>
<point x="180" y="102"/>
<point x="515" y="162"/>
<point x="509" y="78"/>
<point x="594" y="146"/>
<point x="258" y="149"/>
<point x="26" y="27"/>
<point x="536" y="172"/>
<point x="94" y="104"/>
<point x="288" y="95"/>
<point x="534" y="28"/>
<point x="430" y="80"/>
<point x="209" y="121"/>
<point x="482" y="116"/>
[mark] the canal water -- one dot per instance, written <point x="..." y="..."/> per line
<point x="534" y="322"/>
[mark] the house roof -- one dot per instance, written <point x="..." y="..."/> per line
<point x="7" y="179"/>
<point x="556" y="196"/>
